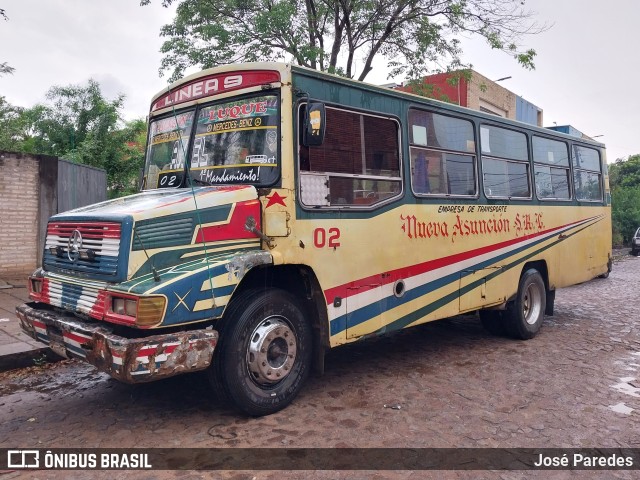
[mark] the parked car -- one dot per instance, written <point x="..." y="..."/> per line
<point x="635" y="243"/>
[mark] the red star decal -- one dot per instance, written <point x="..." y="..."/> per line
<point x="276" y="199"/>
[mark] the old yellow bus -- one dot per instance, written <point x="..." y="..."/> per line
<point x="286" y="211"/>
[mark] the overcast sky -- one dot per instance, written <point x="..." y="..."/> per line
<point x="586" y="69"/>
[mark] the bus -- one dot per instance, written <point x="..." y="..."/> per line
<point x="285" y="211"/>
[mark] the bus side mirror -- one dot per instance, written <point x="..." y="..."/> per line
<point x="314" y="124"/>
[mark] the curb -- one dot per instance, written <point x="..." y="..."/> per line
<point x="28" y="358"/>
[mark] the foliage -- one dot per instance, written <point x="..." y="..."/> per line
<point x="625" y="173"/>
<point x="11" y="125"/>
<point x="4" y="66"/>
<point x="341" y="36"/>
<point x="6" y="69"/>
<point x="625" y="212"/>
<point x="79" y="124"/>
<point x="624" y="181"/>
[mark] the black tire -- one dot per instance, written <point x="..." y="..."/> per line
<point x="524" y="316"/>
<point x="634" y="252"/>
<point x="493" y="322"/>
<point x="264" y="352"/>
<point x="609" y="267"/>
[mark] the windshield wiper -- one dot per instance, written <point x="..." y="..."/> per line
<point x="199" y="182"/>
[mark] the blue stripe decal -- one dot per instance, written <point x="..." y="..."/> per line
<point x="43" y="338"/>
<point x="70" y="295"/>
<point x="76" y="350"/>
<point x="370" y="311"/>
<point x="416" y="315"/>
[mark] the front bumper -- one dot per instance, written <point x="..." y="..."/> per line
<point x="130" y="360"/>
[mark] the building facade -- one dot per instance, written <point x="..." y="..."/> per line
<point x="480" y="93"/>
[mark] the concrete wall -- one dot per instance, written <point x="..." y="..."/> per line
<point x="31" y="187"/>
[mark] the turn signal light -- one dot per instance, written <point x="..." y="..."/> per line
<point x="36" y="285"/>
<point x="133" y="310"/>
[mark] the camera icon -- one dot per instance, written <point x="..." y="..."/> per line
<point x="23" y="459"/>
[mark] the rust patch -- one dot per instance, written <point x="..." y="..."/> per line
<point x="194" y="351"/>
<point x="241" y="264"/>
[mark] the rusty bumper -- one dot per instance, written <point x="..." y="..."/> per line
<point x="130" y="360"/>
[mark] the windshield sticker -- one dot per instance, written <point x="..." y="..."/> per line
<point x="237" y="142"/>
<point x="239" y="174"/>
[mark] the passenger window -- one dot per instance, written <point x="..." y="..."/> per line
<point x="357" y="164"/>
<point x="551" y="169"/>
<point x="505" y="163"/>
<point x="443" y="160"/>
<point x="587" y="174"/>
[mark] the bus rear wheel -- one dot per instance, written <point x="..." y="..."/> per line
<point x="524" y="316"/>
<point x="264" y="353"/>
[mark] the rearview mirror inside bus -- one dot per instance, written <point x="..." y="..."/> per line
<point x="314" y="124"/>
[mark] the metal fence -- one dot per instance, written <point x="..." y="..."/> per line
<point x="80" y="185"/>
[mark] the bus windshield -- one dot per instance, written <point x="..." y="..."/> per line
<point x="166" y="150"/>
<point x="235" y="142"/>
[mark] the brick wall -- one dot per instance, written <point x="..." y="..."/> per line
<point x="19" y="202"/>
<point x="30" y="189"/>
<point x="481" y="89"/>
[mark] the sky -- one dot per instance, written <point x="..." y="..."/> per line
<point x="586" y="64"/>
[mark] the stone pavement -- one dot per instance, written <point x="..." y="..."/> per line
<point x="17" y="349"/>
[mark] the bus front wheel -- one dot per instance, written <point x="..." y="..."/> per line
<point x="524" y="316"/>
<point x="264" y="353"/>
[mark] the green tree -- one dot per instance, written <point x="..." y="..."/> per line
<point x="4" y="66"/>
<point x="12" y="128"/>
<point x="75" y="114"/>
<point x="79" y="124"/>
<point x="625" y="213"/>
<point x="341" y="36"/>
<point x="624" y="181"/>
<point x="625" y="173"/>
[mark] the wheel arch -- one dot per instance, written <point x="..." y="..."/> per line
<point x="543" y="269"/>
<point x="302" y="282"/>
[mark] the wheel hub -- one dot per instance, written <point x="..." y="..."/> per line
<point x="271" y="351"/>
<point x="531" y="304"/>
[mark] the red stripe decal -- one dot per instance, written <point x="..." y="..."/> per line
<point x="145" y="352"/>
<point x="75" y="337"/>
<point x="374" y="281"/>
<point x="235" y="228"/>
<point x="38" y="324"/>
<point x="97" y="309"/>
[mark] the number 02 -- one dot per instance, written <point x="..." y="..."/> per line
<point x="320" y="237"/>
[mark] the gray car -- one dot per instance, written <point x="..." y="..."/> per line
<point x="635" y="243"/>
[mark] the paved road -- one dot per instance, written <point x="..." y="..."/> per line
<point x="577" y="384"/>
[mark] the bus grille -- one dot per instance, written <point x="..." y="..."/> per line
<point x="100" y="240"/>
<point x="87" y="299"/>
